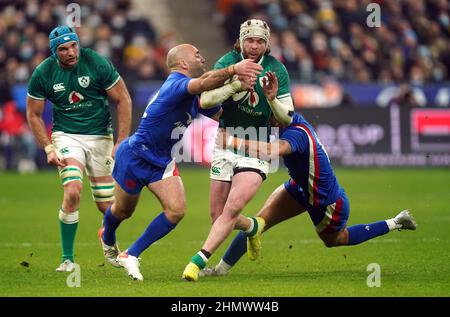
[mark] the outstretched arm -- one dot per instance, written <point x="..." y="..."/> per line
<point x="262" y="150"/>
<point x="216" y="78"/>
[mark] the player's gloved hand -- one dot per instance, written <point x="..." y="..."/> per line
<point x="270" y="86"/>
<point x="247" y="67"/>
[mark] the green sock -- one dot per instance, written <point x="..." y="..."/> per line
<point x="68" y="231"/>
<point x="254" y="230"/>
<point x="198" y="260"/>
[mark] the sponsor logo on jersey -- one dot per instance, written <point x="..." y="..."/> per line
<point x="251" y="97"/>
<point x="75" y="97"/>
<point x="215" y="170"/>
<point x="84" y="81"/>
<point x="254" y="99"/>
<point x="59" y="87"/>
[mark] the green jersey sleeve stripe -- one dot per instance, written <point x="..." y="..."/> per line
<point x="112" y="85"/>
<point x="34" y="97"/>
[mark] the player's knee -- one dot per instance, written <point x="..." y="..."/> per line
<point x="122" y="213"/>
<point x="235" y="206"/>
<point x="103" y="206"/>
<point x="329" y="244"/>
<point x="328" y="240"/>
<point x="72" y="193"/>
<point x="176" y="212"/>
<point x="214" y="215"/>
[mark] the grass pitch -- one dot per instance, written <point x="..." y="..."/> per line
<point x="294" y="262"/>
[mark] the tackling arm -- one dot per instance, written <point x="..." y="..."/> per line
<point x="211" y="98"/>
<point x="282" y="109"/>
<point x="216" y="78"/>
<point x="262" y="150"/>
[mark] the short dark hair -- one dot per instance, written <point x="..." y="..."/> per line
<point x="237" y="47"/>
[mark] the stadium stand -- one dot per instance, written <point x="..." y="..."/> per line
<point x="330" y="38"/>
<point x="334" y="59"/>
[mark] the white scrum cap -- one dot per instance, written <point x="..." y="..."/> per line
<point x="254" y="28"/>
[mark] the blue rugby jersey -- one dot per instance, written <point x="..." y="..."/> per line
<point x="309" y="165"/>
<point x="165" y="119"/>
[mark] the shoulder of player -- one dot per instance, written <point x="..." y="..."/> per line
<point x="229" y="58"/>
<point x="274" y="63"/>
<point x="46" y="66"/>
<point x="88" y="54"/>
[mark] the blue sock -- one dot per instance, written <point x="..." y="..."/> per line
<point x="237" y="248"/>
<point x="111" y="223"/>
<point x="158" y="228"/>
<point x="360" y="233"/>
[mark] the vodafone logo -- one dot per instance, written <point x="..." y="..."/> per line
<point x="75" y="97"/>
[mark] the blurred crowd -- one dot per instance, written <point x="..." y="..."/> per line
<point x="112" y="28"/>
<point x="317" y="38"/>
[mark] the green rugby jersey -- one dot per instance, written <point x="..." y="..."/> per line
<point x="247" y="109"/>
<point x="78" y="95"/>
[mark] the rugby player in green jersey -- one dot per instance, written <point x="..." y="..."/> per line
<point x="78" y="82"/>
<point x="236" y="177"/>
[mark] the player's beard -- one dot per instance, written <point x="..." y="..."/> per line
<point x="197" y="71"/>
<point x="255" y="58"/>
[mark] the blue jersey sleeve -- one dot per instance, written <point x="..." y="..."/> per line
<point x="180" y="87"/>
<point x="210" y="112"/>
<point x="298" y="140"/>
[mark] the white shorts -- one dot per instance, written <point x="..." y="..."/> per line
<point x="93" y="151"/>
<point x="225" y="164"/>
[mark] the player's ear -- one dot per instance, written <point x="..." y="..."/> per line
<point x="184" y="64"/>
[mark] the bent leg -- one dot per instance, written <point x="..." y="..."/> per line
<point x="279" y="207"/>
<point x="121" y="209"/>
<point x="102" y="188"/>
<point x="170" y="192"/>
<point x="218" y="194"/>
<point x="243" y="188"/>
<point x="336" y="233"/>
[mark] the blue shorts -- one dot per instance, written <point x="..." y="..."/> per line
<point x="132" y="172"/>
<point x="331" y="218"/>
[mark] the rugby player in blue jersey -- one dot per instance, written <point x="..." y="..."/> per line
<point x="313" y="187"/>
<point x="145" y="160"/>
